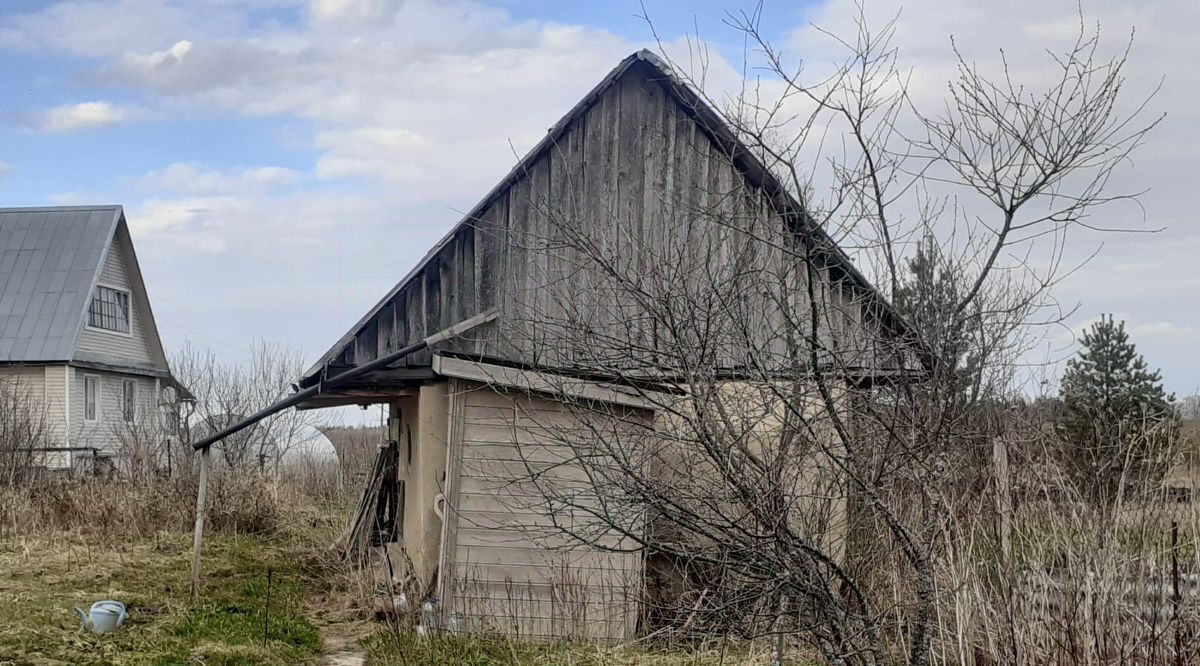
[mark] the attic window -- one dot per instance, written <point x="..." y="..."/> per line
<point x="109" y="310"/>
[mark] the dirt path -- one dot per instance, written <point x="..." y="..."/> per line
<point x="341" y="645"/>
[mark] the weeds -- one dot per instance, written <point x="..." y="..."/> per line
<point x="405" y="648"/>
<point x="68" y="543"/>
<point x="115" y="511"/>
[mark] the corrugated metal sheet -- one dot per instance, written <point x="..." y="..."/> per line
<point x="49" y="260"/>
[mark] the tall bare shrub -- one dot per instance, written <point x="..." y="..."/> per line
<point x="23" y="431"/>
<point x="795" y="418"/>
<point x="227" y="392"/>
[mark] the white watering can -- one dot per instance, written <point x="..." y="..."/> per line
<point x="105" y="616"/>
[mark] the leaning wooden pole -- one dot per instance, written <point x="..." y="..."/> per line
<point x="198" y="536"/>
<point x="298" y="397"/>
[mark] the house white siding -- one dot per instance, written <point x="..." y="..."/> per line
<point x="29" y="385"/>
<point x="55" y="400"/>
<point x="107" y="432"/>
<point x="110" y="346"/>
<point x="28" y="380"/>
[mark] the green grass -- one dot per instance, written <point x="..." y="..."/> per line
<point x="40" y="581"/>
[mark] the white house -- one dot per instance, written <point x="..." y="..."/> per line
<point x="77" y="335"/>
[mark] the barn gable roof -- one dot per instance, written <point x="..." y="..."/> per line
<point x="646" y="64"/>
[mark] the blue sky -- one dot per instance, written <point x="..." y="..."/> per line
<point x="284" y="162"/>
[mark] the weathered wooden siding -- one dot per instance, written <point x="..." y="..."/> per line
<point x="648" y="185"/>
<point x="508" y="569"/>
<point x="110" y="346"/>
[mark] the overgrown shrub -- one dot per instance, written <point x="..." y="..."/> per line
<point x="23" y="429"/>
<point x="237" y="504"/>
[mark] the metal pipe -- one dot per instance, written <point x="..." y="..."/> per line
<point x="333" y="382"/>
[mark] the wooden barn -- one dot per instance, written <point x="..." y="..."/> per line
<point x="628" y="157"/>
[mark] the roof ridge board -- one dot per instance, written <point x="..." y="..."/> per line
<point x="54" y="209"/>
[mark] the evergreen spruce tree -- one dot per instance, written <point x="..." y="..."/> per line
<point x="927" y="296"/>
<point x="1118" y="424"/>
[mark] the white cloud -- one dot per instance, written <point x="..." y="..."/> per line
<point x="101" y="29"/>
<point x="5" y="169"/>
<point x="234" y="213"/>
<point x="160" y="58"/>
<point x="401" y="103"/>
<point x="193" y="179"/>
<point x="68" y="198"/>
<point x="413" y="105"/>
<point x="374" y="11"/>
<point x="187" y="224"/>
<point x="84" y="115"/>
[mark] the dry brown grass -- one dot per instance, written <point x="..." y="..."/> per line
<point x="130" y="511"/>
<point x="1081" y="584"/>
<point x="69" y="542"/>
<point x="405" y="648"/>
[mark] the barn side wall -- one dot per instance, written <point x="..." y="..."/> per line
<point x="509" y="570"/>
<point x="815" y="492"/>
<point x="419" y="428"/>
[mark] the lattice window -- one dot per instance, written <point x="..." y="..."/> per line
<point x="109" y="310"/>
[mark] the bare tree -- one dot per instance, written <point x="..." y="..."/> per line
<point x="791" y="478"/>
<point x="144" y="447"/>
<point x="1189" y="407"/>
<point x="225" y="393"/>
<point x="23" y="430"/>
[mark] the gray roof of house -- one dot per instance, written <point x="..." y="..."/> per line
<point x="49" y="260"/>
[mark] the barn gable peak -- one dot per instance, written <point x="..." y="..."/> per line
<point x="451" y="281"/>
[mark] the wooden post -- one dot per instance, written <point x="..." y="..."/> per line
<point x="1003" y="496"/>
<point x="198" y="537"/>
